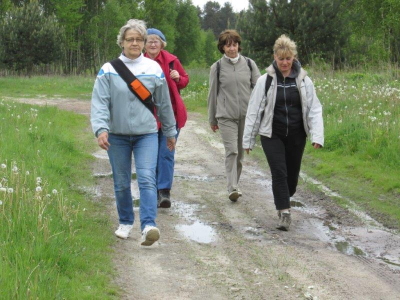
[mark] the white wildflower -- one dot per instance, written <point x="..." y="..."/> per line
<point x="10" y="190"/>
<point x="38" y="189"/>
<point x="1" y="202"/>
<point x="3" y="189"/>
<point x="27" y="173"/>
<point x="15" y="169"/>
<point x="55" y="192"/>
<point x="3" y="166"/>
<point x="38" y="180"/>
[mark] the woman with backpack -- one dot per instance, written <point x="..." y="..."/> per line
<point x="230" y="84"/>
<point x="284" y="110"/>
<point x="177" y="79"/>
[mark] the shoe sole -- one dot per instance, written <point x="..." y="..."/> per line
<point x="121" y="237"/>
<point x="165" y="203"/>
<point x="234" y="196"/>
<point x="282" y="228"/>
<point x="152" y="236"/>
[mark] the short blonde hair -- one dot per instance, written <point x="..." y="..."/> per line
<point x="163" y="44"/>
<point x="285" y="46"/>
<point x="134" y="24"/>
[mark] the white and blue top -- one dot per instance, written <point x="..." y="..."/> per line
<point x="115" y="109"/>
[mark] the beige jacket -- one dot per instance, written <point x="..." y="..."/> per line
<point x="232" y="99"/>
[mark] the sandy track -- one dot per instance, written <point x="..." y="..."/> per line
<point x="211" y="248"/>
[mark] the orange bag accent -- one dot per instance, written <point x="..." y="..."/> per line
<point x="140" y="89"/>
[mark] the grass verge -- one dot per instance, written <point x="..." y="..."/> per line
<point x="52" y="241"/>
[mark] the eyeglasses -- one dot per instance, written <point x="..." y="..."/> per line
<point x="131" y="41"/>
<point x="153" y="42"/>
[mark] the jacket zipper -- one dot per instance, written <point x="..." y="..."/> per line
<point x="287" y="112"/>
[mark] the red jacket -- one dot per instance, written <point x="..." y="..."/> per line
<point x="163" y="59"/>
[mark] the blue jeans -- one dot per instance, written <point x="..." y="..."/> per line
<point x="144" y="148"/>
<point x="165" y="163"/>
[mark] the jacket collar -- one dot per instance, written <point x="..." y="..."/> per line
<point x="301" y="73"/>
<point x="132" y="61"/>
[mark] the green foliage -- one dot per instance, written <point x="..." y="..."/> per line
<point x="314" y="25"/>
<point x="162" y="14"/>
<point x="29" y="39"/>
<point x="187" y="32"/>
<point x="218" y="18"/>
<point x="52" y="240"/>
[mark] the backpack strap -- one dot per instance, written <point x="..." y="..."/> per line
<point x="268" y="84"/>
<point x="134" y="84"/>
<point x="251" y="70"/>
<point x="218" y="71"/>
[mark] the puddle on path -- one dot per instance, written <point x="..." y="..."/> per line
<point x="345" y="248"/>
<point x="294" y="203"/>
<point x="196" y="178"/>
<point x="197" y="231"/>
<point x="101" y="154"/>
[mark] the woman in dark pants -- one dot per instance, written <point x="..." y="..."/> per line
<point x="284" y="110"/>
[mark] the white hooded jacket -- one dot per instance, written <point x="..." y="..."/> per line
<point x="260" y="111"/>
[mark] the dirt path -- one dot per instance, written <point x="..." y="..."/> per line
<point x="211" y="248"/>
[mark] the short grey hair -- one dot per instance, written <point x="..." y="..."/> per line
<point x="163" y="44"/>
<point x="134" y="24"/>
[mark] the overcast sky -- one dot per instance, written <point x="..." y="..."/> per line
<point x="237" y="5"/>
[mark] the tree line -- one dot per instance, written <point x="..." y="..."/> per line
<point x="78" y="36"/>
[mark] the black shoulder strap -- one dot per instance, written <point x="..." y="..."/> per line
<point x="251" y="70"/>
<point x="218" y="71"/>
<point x="134" y="84"/>
<point x="268" y="84"/>
<point x="171" y="65"/>
<point x="249" y="63"/>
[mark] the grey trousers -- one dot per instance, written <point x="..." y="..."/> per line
<point x="232" y="137"/>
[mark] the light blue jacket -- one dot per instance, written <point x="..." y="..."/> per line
<point x="115" y="109"/>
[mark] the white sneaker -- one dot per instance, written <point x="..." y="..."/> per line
<point x="150" y="235"/>
<point x="123" y="231"/>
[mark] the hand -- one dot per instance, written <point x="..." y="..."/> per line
<point x="175" y="75"/>
<point x="214" y="127"/>
<point x="316" y="146"/>
<point x="171" y="143"/>
<point x="102" y="140"/>
<point x="247" y="151"/>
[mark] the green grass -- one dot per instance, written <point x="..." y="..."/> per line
<point x="53" y="239"/>
<point x="76" y="87"/>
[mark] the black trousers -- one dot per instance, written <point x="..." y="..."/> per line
<point x="284" y="156"/>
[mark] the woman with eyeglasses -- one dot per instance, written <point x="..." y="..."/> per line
<point x="177" y="79"/>
<point x="124" y="125"/>
<point x="231" y="81"/>
<point x="284" y="112"/>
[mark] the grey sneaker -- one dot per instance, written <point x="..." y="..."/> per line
<point x="284" y="221"/>
<point x="150" y="235"/>
<point x="164" y="200"/>
<point x="234" y="195"/>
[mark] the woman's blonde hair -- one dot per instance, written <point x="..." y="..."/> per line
<point x="285" y="46"/>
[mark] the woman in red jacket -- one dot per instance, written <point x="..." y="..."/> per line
<point x="177" y="79"/>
